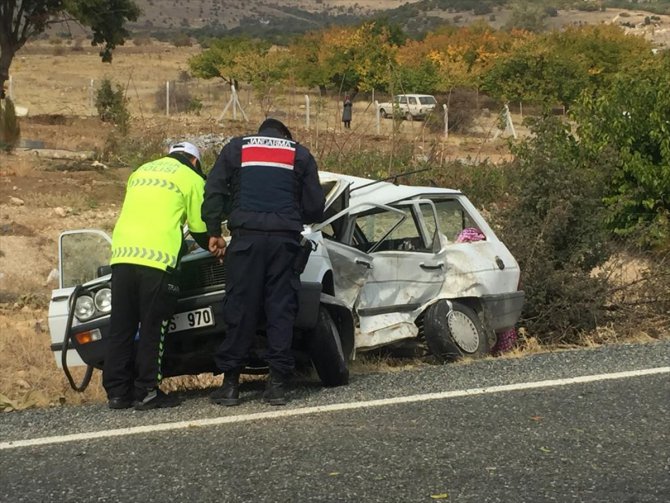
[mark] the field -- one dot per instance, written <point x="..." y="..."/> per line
<point x="55" y="181"/>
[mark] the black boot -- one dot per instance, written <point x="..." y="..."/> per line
<point x="229" y="393"/>
<point x="275" y="389"/>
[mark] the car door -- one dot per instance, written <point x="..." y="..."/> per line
<point x="81" y="255"/>
<point x="352" y="265"/>
<point x="407" y="271"/>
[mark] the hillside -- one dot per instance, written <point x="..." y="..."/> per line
<point x="273" y="19"/>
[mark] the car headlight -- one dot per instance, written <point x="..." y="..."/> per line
<point x="103" y="300"/>
<point x="84" y="308"/>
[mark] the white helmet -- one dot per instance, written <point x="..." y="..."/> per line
<point x="187" y="148"/>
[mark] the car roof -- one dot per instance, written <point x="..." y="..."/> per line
<point x="367" y="190"/>
<point x="417" y="95"/>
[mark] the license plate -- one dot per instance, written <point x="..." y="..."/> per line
<point x="191" y="319"/>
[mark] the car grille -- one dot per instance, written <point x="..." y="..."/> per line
<point x="202" y="275"/>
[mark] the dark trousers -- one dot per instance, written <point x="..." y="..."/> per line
<point x="142" y="297"/>
<point x="260" y="278"/>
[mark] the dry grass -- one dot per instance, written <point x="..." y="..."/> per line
<point x="28" y="373"/>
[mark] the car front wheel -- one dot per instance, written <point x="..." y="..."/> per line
<point x="383" y="113"/>
<point x="454" y="330"/>
<point x="325" y="351"/>
<point x="409" y="116"/>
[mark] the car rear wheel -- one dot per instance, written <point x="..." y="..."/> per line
<point x="454" y="330"/>
<point x="325" y="351"/>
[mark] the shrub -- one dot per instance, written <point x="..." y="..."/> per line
<point x="10" y="130"/>
<point x="111" y="105"/>
<point x="181" y="100"/>
<point x="182" y="40"/>
<point x="462" y="105"/>
<point x="554" y="226"/>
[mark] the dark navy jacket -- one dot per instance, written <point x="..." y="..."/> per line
<point x="263" y="182"/>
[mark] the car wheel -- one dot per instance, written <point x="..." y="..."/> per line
<point x="409" y="116"/>
<point x="454" y="330"/>
<point x="325" y="351"/>
<point x="383" y="113"/>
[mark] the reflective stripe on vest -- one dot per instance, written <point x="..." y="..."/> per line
<point x="267" y="178"/>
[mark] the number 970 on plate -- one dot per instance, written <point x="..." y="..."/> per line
<point x="191" y="319"/>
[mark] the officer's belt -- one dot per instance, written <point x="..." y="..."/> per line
<point x="253" y="232"/>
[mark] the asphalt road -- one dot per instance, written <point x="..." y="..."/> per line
<point x="488" y="431"/>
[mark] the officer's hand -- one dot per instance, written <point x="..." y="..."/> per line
<point x="217" y="247"/>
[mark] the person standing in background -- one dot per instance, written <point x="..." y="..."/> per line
<point x="346" y="112"/>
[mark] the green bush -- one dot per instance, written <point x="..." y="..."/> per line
<point x="111" y="106"/>
<point x="554" y="225"/>
<point x="10" y="130"/>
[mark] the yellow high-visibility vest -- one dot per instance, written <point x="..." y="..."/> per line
<point x="161" y="196"/>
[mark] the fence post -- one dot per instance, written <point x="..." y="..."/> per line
<point x="446" y="120"/>
<point x="167" y="98"/>
<point x="307" y="111"/>
<point x="91" y="93"/>
<point x="11" y="88"/>
<point x="377" y="116"/>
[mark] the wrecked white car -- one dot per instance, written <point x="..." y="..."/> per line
<point x="392" y="264"/>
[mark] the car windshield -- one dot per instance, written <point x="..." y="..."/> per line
<point x="427" y="100"/>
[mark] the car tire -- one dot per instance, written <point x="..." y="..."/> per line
<point x="409" y="117"/>
<point x="383" y="113"/>
<point x="453" y="330"/>
<point x="325" y="351"/>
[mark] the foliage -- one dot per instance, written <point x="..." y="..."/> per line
<point x="630" y="120"/>
<point x="554" y="227"/>
<point x="10" y="130"/>
<point x="535" y="73"/>
<point x="226" y="58"/>
<point x="462" y="109"/>
<point x="111" y="105"/>
<point x="347" y="59"/>
<point x="21" y="21"/>
<point x="528" y="17"/>
<point x="181" y="99"/>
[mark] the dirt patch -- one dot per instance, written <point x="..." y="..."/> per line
<point x="14" y="229"/>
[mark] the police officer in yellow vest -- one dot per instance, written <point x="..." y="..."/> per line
<point x="161" y="196"/>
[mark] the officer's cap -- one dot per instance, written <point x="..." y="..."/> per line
<point x="187" y="148"/>
<point x="277" y="125"/>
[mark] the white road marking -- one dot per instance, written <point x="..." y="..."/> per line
<point x="215" y="421"/>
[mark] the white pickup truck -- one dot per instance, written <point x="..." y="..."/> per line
<point x="409" y="106"/>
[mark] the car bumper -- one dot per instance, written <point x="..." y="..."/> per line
<point x="503" y="310"/>
<point x="188" y="351"/>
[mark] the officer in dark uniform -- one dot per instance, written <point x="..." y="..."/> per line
<point x="267" y="186"/>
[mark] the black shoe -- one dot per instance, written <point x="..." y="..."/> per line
<point x="275" y="389"/>
<point x="229" y="393"/>
<point x="120" y="402"/>
<point x="156" y="399"/>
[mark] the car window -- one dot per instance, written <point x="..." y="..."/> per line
<point x="427" y="100"/>
<point x="452" y="218"/>
<point x="412" y="101"/>
<point x="402" y="99"/>
<point x="384" y="231"/>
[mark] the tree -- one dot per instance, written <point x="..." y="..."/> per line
<point x="631" y="119"/>
<point x="224" y="58"/>
<point x="21" y="20"/>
